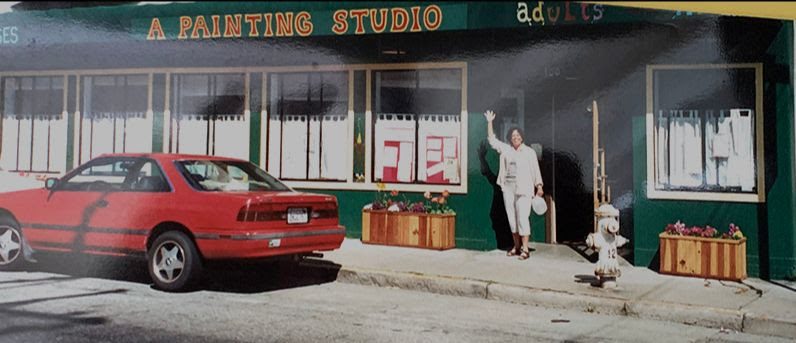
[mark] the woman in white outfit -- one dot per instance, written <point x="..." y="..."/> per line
<point x="519" y="178"/>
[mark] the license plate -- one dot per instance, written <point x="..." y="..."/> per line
<point x="297" y="215"/>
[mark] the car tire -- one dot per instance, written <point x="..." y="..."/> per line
<point x="11" y="245"/>
<point x="173" y="262"/>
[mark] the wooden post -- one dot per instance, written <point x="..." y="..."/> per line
<point x="595" y="143"/>
<point x="602" y="175"/>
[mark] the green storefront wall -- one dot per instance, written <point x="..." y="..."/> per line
<point x="770" y="227"/>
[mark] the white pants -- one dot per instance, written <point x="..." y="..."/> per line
<point x="518" y="209"/>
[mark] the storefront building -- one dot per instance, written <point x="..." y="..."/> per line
<point x="696" y="111"/>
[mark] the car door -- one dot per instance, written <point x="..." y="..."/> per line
<point x="64" y="219"/>
<point x="123" y="222"/>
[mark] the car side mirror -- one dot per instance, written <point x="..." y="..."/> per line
<point x="50" y="183"/>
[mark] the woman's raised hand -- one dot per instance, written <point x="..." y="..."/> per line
<point x="490" y="116"/>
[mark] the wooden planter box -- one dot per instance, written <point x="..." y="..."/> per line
<point x="419" y="230"/>
<point x="710" y="258"/>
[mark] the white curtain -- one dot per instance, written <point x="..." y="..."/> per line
<point x="314" y="149"/>
<point x="8" y="157"/>
<point x="294" y="147"/>
<point x="740" y="164"/>
<point x="232" y="136"/>
<point x="397" y="131"/>
<point x="274" y="145"/>
<point x="192" y="138"/>
<point x="48" y="143"/>
<point x="712" y="153"/>
<point x="661" y="151"/>
<point x="102" y="136"/>
<point x="439" y="148"/>
<point x="335" y="147"/>
<point x="139" y="134"/>
<point x="685" y="150"/>
<point x="25" y="138"/>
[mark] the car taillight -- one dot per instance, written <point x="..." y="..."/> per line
<point x="264" y="212"/>
<point x="325" y="210"/>
<point x="260" y="213"/>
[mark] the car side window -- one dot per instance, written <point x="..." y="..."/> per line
<point x="106" y="175"/>
<point x="149" y="179"/>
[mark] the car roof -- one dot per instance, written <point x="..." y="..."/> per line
<point x="164" y="157"/>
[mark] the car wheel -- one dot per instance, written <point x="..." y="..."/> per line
<point x="10" y="245"/>
<point x="174" y="262"/>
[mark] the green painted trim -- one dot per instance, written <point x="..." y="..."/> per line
<point x="254" y="137"/>
<point x="157" y="131"/>
<point x="70" y="141"/>
<point x="133" y="22"/>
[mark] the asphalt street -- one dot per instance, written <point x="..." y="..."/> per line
<point x="111" y="300"/>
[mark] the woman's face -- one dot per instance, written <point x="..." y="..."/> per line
<point x="516" y="139"/>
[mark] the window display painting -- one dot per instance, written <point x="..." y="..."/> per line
<point x="442" y="158"/>
<point x="438" y="136"/>
<point x="395" y="148"/>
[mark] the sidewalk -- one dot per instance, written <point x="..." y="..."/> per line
<point x="558" y="277"/>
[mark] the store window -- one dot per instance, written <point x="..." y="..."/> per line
<point x="705" y="138"/>
<point x="209" y="114"/>
<point x="417" y="126"/>
<point x="308" y="126"/>
<point x="33" y="124"/>
<point x="115" y="115"/>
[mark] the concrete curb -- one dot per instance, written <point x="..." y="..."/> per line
<point x="761" y="324"/>
<point x="709" y="317"/>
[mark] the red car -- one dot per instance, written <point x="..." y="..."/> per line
<point x="177" y="210"/>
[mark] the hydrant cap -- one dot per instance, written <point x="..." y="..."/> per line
<point x="607" y="210"/>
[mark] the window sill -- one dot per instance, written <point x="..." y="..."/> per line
<point x="357" y="186"/>
<point x="704" y="196"/>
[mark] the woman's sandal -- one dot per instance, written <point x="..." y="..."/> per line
<point x="525" y="254"/>
<point x="512" y="252"/>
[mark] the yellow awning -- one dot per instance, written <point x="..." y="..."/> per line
<point x="759" y="9"/>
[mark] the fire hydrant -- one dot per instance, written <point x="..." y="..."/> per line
<point x="606" y="240"/>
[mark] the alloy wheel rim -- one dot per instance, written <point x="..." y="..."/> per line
<point x="10" y="244"/>
<point x="169" y="261"/>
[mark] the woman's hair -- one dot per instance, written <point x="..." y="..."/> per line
<point x="516" y="128"/>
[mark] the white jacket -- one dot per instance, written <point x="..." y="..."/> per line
<point x="528" y="173"/>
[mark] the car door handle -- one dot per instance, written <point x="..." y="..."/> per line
<point x="102" y="203"/>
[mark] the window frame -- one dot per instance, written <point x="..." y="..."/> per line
<point x="63" y="116"/>
<point x="62" y="181"/>
<point x="416" y="93"/>
<point x="73" y="90"/>
<point x="652" y="193"/>
<point x="311" y="113"/>
<point x="367" y="140"/>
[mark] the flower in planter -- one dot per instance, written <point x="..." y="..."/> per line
<point x="680" y="229"/>
<point x="391" y="202"/>
<point x="438" y="205"/>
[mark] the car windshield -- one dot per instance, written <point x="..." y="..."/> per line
<point x="228" y="176"/>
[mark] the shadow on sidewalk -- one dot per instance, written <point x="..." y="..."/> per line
<point x="253" y="276"/>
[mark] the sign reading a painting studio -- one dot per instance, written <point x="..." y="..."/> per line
<point x="303" y="23"/>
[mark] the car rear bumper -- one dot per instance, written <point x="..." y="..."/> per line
<point x="268" y="243"/>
